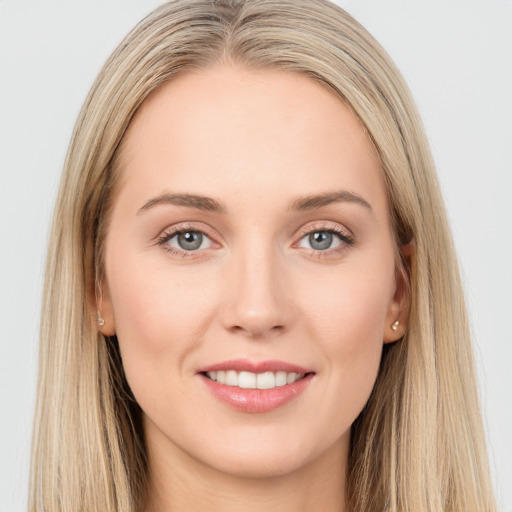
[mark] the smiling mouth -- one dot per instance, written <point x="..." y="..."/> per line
<point x="250" y="380"/>
<point x="256" y="387"/>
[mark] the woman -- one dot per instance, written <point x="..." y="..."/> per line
<point x="252" y="296"/>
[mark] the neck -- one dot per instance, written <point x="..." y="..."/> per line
<point x="178" y="482"/>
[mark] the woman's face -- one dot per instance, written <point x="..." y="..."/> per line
<point x="250" y="270"/>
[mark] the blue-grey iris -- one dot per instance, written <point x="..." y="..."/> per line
<point x="321" y="240"/>
<point x="190" y="241"/>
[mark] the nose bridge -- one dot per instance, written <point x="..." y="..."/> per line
<point x="255" y="297"/>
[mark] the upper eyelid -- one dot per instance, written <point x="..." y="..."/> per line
<point x="324" y="226"/>
<point x="174" y="230"/>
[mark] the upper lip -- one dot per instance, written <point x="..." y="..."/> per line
<point x="244" y="365"/>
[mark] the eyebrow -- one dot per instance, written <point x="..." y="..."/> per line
<point x="209" y="204"/>
<point x="203" y="203"/>
<point x="318" y="201"/>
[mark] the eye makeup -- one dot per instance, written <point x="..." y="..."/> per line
<point x="320" y="240"/>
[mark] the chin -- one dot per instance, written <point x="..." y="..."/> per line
<point x="259" y="467"/>
<point x="273" y="456"/>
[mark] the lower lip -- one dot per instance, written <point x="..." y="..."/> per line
<point x="257" y="400"/>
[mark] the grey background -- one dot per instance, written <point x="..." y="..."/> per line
<point x="457" y="59"/>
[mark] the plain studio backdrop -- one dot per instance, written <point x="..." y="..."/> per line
<point x="456" y="57"/>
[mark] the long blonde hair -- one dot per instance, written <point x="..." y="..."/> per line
<point x="418" y="445"/>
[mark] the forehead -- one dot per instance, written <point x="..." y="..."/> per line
<point x="230" y="130"/>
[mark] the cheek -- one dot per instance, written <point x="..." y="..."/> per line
<point x="349" y="305"/>
<point x="159" y="317"/>
<point x="347" y="318"/>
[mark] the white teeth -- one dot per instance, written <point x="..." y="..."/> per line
<point x="280" y="378"/>
<point x="266" y="380"/>
<point x="231" y="378"/>
<point x="249" y="380"/>
<point x="291" y="377"/>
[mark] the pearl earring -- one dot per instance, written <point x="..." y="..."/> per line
<point x="395" y="325"/>
<point x="100" y="320"/>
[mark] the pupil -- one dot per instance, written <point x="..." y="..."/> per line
<point x="190" y="241"/>
<point x="320" y="240"/>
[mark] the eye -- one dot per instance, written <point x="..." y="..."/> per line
<point x="329" y="239"/>
<point x="320" y="240"/>
<point x="185" y="240"/>
<point x="188" y="241"/>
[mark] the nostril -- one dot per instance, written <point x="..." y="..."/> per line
<point x="254" y="316"/>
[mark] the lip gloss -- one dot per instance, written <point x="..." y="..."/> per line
<point x="256" y="400"/>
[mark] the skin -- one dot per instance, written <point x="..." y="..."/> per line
<point x="255" y="141"/>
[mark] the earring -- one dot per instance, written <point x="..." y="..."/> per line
<point x="97" y="288"/>
<point x="395" y="325"/>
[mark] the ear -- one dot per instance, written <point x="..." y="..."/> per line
<point x="99" y="303"/>
<point x="399" y="306"/>
<point x="105" y="311"/>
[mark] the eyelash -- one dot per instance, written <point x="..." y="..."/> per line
<point x="167" y="235"/>
<point x="346" y="238"/>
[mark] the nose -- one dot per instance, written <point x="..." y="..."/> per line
<point x="257" y="295"/>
